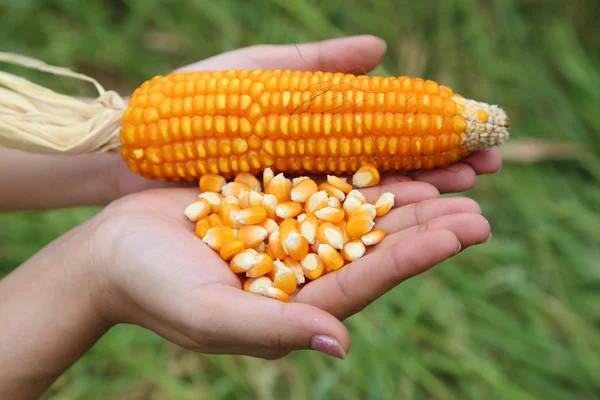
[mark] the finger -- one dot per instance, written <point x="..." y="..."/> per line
<point x="469" y="228"/>
<point x="354" y="54"/>
<point x="350" y="289"/>
<point x="418" y="213"/>
<point x="249" y="322"/>
<point x="457" y="177"/>
<point x="484" y="161"/>
<point x="404" y="192"/>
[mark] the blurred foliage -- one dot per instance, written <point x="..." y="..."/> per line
<point x="517" y="318"/>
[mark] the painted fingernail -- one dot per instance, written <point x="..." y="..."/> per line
<point x="329" y="346"/>
<point x="458" y="250"/>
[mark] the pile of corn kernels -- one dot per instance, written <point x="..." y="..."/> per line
<point x="278" y="235"/>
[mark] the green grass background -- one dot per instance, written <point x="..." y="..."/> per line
<point x="517" y="318"/>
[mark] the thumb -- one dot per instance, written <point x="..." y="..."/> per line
<point x="263" y="327"/>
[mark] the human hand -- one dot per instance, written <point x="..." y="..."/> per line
<point x="155" y="273"/>
<point x="356" y="55"/>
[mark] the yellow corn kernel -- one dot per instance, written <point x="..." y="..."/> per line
<point x="350" y="204"/>
<point x="366" y="176"/>
<point x="308" y="228"/>
<point x="312" y="265"/>
<point x="230" y="200"/>
<point x="332" y="259"/>
<point x="216" y="237"/>
<point x="202" y="226"/>
<point x="263" y="264"/>
<point x="339" y="183"/>
<point x="296" y="245"/>
<point x="384" y="203"/>
<point x="364" y="209"/>
<point x="316" y="202"/>
<point x="230" y="249"/>
<point x="314" y="247"/>
<point x="373" y="237"/>
<point x="296" y="269"/>
<point x="244" y="199"/>
<point x="234" y="189"/>
<point x="357" y="195"/>
<point x="211" y="183"/>
<point x="269" y="203"/>
<point x="303" y="189"/>
<point x="280" y="187"/>
<point x="249" y="180"/>
<point x="214" y="220"/>
<point x="255" y="199"/>
<point x="228" y="215"/>
<point x="243" y="261"/>
<point x="330" y="214"/>
<point x="332" y="191"/>
<point x="252" y="215"/>
<point x="353" y="250"/>
<point x="214" y="199"/>
<point x="328" y="233"/>
<point x="257" y="285"/>
<point x="283" y="277"/>
<point x="288" y="209"/>
<point x="267" y="178"/>
<point x="274" y="248"/>
<point x="342" y="227"/>
<point x="261" y="248"/>
<point x="301" y="217"/>
<point x="252" y="235"/>
<point x="358" y="226"/>
<point x="198" y="210"/>
<point x="288" y="221"/>
<point x="270" y="225"/>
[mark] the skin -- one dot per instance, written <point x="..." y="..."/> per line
<point x="139" y="262"/>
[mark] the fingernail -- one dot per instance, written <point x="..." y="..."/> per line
<point x="329" y="346"/>
<point x="384" y="45"/>
<point x="458" y="250"/>
<point x="489" y="238"/>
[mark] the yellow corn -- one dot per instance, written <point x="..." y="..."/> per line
<point x="249" y="180"/>
<point x="270" y="225"/>
<point x="366" y="209"/>
<point x="211" y="183"/>
<point x="353" y="250"/>
<point x="184" y="125"/>
<point x="263" y="264"/>
<point x="214" y="220"/>
<point x="308" y="228"/>
<point x="214" y="199"/>
<point x="288" y="209"/>
<point x="330" y="214"/>
<point x="198" y="210"/>
<point x="252" y="235"/>
<point x="269" y="203"/>
<point x="283" y="277"/>
<point x="316" y="202"/>
<point x="312" y="265"/>
<point x="296" y="269"/>
<point x="350" y="204"/>
<point x="230" y="249"/>
<point x="280" y="187"/>
<point x="202" y="226"/>
<point x="332" y="191"/>
<point x="358" y="226"/>
<point x="384" y="203"/>
<point x="332" y="259"/>
<point x="228" y="215"/>
<point x="296" y="245"/>
<point x="267" y="177"/>
<point x="234" y="189"/>
<point x="243" y="261"/>
<point x="253" y="215"/>
<point x="339" y="183"/>
<point x="373" y="237"/>
<point x="303" y="188"/>
<point x="328" y="233"/>
<point x="216" y="237"/>
<point x="366" y="176"/>
<point x="275" y="249"/>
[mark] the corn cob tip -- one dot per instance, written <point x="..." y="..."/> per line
<point x="487" y="125"/>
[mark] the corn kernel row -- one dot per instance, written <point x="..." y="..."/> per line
<point x="279" y="233"/>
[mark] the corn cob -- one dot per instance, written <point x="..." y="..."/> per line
<point x="182" y="126"/>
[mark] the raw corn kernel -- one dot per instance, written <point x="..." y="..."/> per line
<point x="216" y="237"/>
<point x="366" y="176"/>
<point x="332" y="259"/>
<point x="261" y="248"/>
<point x="334" y="202"/>
<point x="308" y="228"/>
<point x="296" y="245"/>
<point x="234" y="189"/>
<point x="314" y="247"/>
<point x="214" y="220"/>
<point x="269" y="202"/>
<point x="373" y="237"/>
<point x="249" y="180"/>
<point x="211" y="183"/>
<point x="288" y="221"/>
<point x="342" y="227"/>
<point x="267" y="177"/>
<point x="214" y="199"/>
<point x="353" y="250"/>
<point x="288" y="209"/>
<point x="252" y="235"/>
<point x="230" y="249"/>
<point x="316" y="202"/>
<point x="328" y="233"/>
<point x="312" y="265"/>
<point x="198" y="210"/>
<point x="365" y="209"/>
<point x="243" y="261"/>
<point x="255" y="199"/>
<point x="384" y="203"/>
<point x="265" y="287"/>
<point x="263" y="264"/>
<point x="350" y="204"/>
<point x="230" y="200"/>
<point x="358" y="226"/>
<point x="252" y="215"/>
<point x="296" y="269"/>
<point x="270" y="225"/>
<point x="280" y="187"/>
<point x="202" y="226"/>
<point x="274" y="248"/>
<point x="283" y="277"/>
<point x="244" y="199"/>
<point x="357" y="195"/>
<point x="339" y="183"/>
<point x="332" y="191"/>
<point x="228" y="215"/>
<point x="330" y="214"/>
<point x="303" y="189"/>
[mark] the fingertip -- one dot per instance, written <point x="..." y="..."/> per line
<point x="488" y="161"/>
